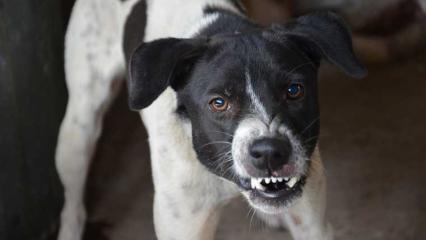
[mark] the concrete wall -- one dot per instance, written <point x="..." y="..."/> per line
<point x="32" y="103"/>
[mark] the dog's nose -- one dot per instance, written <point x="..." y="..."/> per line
<point x="270" y="153"/>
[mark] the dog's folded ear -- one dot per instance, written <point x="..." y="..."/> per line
<point x="156" y="65"/>
<point x="325" y="35"/>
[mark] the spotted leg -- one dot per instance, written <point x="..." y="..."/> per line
<point x="188" y="198"/>
<point x="94" y="67"/>
<point x="188" y="201"/>
<point x="190" y="211"/>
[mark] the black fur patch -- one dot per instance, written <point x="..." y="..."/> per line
<point x="134" y="29"/>
<point x="215" y="63"/>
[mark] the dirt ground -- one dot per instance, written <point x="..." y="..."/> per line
<point x="372" y="142"/>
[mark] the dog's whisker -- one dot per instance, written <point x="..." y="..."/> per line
<point x="310" y="139"/>
<point x="227" y="170"/>
<point x="225" y="162"/>
<point x="221" y="155"/>
<point x="309" y="125"/>
<point x="251" y="219"/>
<point x="215" y="142"/>
<point x="249" y="211"/>
<point x="228" y="134"/>
<point x="223" y="158"/>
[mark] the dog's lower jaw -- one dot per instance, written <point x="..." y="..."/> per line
<point x="304" y="215"/>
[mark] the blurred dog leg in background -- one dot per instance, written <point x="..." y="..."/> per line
<point x="395" y="32"/>
<point x="384" y="30"/>
<point x="277" y="10"/>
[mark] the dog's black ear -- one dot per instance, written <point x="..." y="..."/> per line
<point x="326" y="35"/>
<point x="156" y="65"/>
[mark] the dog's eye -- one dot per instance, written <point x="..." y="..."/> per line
<point x="295" y="91"/>
<point x="218" y="104"/>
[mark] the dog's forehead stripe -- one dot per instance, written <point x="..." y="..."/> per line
<point x="257" y="104"/>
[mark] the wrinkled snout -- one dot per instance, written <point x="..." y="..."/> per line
<point x="270" y="154"/>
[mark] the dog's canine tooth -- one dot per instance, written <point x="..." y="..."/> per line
<point x="292" y="181"/>
<point x="253" y="183"/>
<point x="274" y="180"/>
<point x="286" y="179"/>
<point x="259" y="180"/>
<point x="260" y="187"/>
<point x="267" y="180"/>
<point x="280" y="179"/>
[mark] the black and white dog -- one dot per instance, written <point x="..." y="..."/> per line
<point x="230" y="107"/>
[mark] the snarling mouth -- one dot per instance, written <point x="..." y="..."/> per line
<point x="274" y="191"/>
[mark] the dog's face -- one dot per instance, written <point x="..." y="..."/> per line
<point x="251" y="99"/>
<point x="253" y="108"/>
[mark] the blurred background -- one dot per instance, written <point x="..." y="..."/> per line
<point x="373" y="132"/>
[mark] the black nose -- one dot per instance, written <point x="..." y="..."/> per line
<point x="270" y="153"/>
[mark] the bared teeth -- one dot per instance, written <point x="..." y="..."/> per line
<point x="255" y="184"/>
<point x="263" y="183"/>
<point x="292" y="182"/>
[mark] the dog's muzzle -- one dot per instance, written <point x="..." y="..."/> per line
<point x="271" y="165"/>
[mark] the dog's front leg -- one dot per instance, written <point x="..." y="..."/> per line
<point x="183" y="217"/>
<point x="188" y="197"/>
<point x="187" y="202"/>
<point x="94" y="67"/>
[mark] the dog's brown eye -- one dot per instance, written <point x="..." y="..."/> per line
<point x="295" y="91"/>
<point x="218" y="104"/>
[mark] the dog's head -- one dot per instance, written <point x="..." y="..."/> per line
<point x="251" y="99"/>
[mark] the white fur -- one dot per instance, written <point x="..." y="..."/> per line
<point x="187" y="196"/>
<point x="206" y="21"/>
<point x="257" y="104"/>
<point x="247" y="131"/>
<point x="253" y="128"/>
<point x="94" y="63"/>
